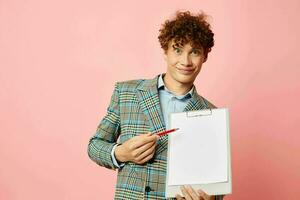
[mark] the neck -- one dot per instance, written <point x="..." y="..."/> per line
<point x="176" y="87"/>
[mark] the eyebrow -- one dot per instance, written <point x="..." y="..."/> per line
<point x="180" y="47"/>
<point x="176" y="46"/>
<point x="198" y="49"/>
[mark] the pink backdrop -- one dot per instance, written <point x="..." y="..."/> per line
<point x="59" y="60"/>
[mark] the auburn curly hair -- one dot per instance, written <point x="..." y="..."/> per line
<point x="187" y="28"/>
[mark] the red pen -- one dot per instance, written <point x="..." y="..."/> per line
<point x="167" y="132"/>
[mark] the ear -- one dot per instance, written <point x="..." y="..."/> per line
<point x="205" y="59"/>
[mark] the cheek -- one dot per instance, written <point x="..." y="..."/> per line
<point x="171" y="64"/>
<point x="171" y="60"/>
<point x="198" y="64"/>
<point x="198" y="70"/>
<point x="197" y="61"/>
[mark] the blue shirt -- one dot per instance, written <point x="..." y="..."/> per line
<point x="169" y="102"/>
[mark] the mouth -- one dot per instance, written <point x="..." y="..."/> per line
<point x="186" y="70"/>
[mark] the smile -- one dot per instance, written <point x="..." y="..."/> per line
<point x="186" y="70"/>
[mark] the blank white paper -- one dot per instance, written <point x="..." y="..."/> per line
<point x="198" y="151"/>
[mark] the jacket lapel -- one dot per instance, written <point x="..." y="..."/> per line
<point x="196" y="102"/>
<point x="149" y="101"/>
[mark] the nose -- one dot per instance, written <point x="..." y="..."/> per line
<point x="185" y="60"/>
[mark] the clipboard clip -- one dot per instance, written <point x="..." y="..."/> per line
<point x="198" y="113"/>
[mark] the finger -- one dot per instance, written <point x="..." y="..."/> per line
<point x="153" y="137"/>
<point x="157" y="136"/>
<point x="139" y="151"/>
<point x="145" y="159"/>
<point x="142" y="140"/>
<point x="146" y="153"/>
<point x="192" y="192"/>
<point x="185" y="193"/>
<point x="179" y="197"/>
<point x="203" y="194"/>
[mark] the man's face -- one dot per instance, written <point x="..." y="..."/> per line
<point x="184" y="63"/>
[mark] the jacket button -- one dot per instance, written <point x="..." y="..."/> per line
<point x="148" y="189"/>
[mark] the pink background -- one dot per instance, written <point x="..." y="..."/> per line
<point x="60" y="59"/>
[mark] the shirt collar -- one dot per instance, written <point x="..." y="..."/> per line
<point x="161" y="86"/>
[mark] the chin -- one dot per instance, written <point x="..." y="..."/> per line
<point x="184" y="79"/>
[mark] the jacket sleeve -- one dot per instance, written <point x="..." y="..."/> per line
<point x="101" y="144"/>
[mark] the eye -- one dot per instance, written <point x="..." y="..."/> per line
<point x="195" y="52"/>
<point x="177" y="50"/>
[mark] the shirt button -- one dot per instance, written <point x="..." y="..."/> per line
<point x="148" y="189"/>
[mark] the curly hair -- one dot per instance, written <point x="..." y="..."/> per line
<point x="187" y="28"/>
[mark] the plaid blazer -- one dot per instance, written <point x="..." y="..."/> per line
<point x="135" y="109"/>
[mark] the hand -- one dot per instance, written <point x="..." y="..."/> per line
<point x="190" y="194"/>
<point x="138" y="149"/>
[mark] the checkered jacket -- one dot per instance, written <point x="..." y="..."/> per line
<point x="135" y="109"/>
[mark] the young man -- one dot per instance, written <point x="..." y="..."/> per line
<point x="126" y="139"/>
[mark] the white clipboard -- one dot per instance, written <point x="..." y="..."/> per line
<point x="202" y="140"/>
